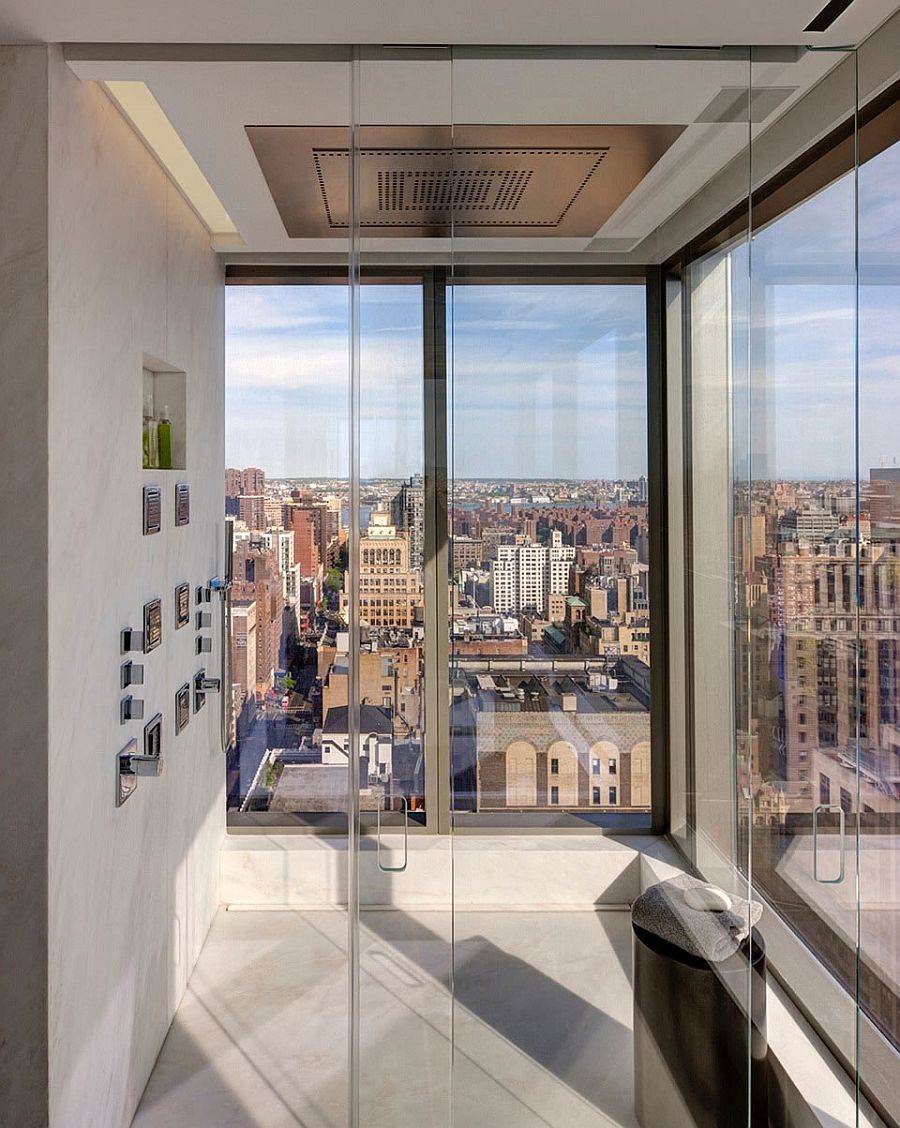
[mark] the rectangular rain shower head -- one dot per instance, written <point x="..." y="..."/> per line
<point x="426" y="181"/>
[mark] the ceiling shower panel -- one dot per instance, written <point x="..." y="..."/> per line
<point x="432" y="181"/>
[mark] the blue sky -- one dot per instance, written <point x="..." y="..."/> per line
<point x="804" y="362"/>
<point x="549" y="381"/>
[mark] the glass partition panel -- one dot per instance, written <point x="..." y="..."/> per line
<point x="555" y="410"/>
<point x="286" y="496"/>
<point x="402" y="878"/>
<point x="806" y="570"/>
<point x="550" y="609"/>
<point x="877" y="797"/>
<point x="272" y="1003"/>
<point x="679" y="764"/>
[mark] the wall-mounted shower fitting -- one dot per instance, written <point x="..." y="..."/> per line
<point x="130" y="763"/>
<point x="131" y="709"/>
<point x="202" y="686"/>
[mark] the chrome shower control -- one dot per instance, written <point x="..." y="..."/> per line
<point x="132" y="640"/>
<point x="131" y="709"/>
<point x="144" y="765"/>
<point x="202" y="686"/>
<point x="132" y="674"/>
<point x="130" y="763"/>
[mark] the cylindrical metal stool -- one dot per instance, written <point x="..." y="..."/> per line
<point x="699" y="1036"/>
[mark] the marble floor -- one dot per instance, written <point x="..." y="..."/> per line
<point x="537" y="1031"/>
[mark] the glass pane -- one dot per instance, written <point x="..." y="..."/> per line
<point x="554" y="628"/>
<point x="679" y="761"/>
<point x="404" y="874"/>
<point x="286" y="494"/>
<point x="550" y="615"/>
<point x="281" y="1049"/>
<point x="802" y="564"/>
<point x="878" y="795"/>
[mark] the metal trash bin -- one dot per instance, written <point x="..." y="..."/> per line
<point x="699" y="1060"/>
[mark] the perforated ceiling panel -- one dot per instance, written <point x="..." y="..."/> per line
<point x="501" y="180"/>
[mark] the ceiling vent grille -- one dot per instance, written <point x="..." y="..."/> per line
<point x="470" y="187"/>
<point x="451" y="191"/>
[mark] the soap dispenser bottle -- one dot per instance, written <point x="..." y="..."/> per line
<point x="150" y="436"/>
<point x="164" y="439"/>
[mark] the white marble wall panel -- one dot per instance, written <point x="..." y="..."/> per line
<point x="512" y="872"/>
<point x="132" y="890"/>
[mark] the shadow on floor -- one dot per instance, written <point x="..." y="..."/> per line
<point x="582" y="1046"/>
<point x="250" y="1046"/>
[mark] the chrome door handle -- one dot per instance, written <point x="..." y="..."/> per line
<point x="378" y="862"/>
<point x="831" y="808"/>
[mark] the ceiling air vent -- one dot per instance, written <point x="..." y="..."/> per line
<point x="423" y="181"/>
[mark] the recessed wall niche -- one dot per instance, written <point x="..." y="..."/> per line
<point x="164" y="394"/>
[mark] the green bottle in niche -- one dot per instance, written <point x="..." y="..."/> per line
<point x="151" y="449"/>
<point x="164" y="439"/>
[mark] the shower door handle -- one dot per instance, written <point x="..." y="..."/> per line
<point x="831" y="808"/>
<point x="378" y="862"/>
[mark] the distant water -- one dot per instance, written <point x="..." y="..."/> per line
<point x="365" y="512"/>
<point x="507" y="508"/>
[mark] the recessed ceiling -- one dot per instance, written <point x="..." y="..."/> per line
<point x="427" y="182"/>
<point x="280" y="202"/>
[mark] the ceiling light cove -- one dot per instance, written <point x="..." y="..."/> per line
<point x="136" y="101"/>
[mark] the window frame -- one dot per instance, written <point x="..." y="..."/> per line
<point x="436" y="280"/>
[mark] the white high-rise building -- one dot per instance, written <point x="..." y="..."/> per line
<point x="281" y="543"/>
<point x="525" y="575"/>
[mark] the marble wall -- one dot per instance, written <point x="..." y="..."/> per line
<point x="23" y="593"/>
<point x="132" y="890"/>
<point x="575" y="871"/>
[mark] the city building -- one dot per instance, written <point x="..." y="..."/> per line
<point x="256" y="578"/>
<point x="280" y="542"/>
<point x="376" y="741"/>
<point x="390" y="591"/>
<point x="561" y="742"/>
<point x="302" y="521"/>
<point x="525" y="575"/>
<point x="389" y="677"/>
<point x="243" y="664"/>
<point x="408" y="515"/>
<point x="467" y="552"/>
<point x="252" y="510"/>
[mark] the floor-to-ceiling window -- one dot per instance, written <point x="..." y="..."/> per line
<point x="792" y="344"/>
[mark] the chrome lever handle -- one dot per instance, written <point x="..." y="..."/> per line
<point x="831" y="808"/>
<point x="378" y="862"/>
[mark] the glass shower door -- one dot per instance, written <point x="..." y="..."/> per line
<point x="505" y="654"/>
<point x="810" y="651"/>
<point x="568" y="166"/>
<point x="400" y="867"/>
